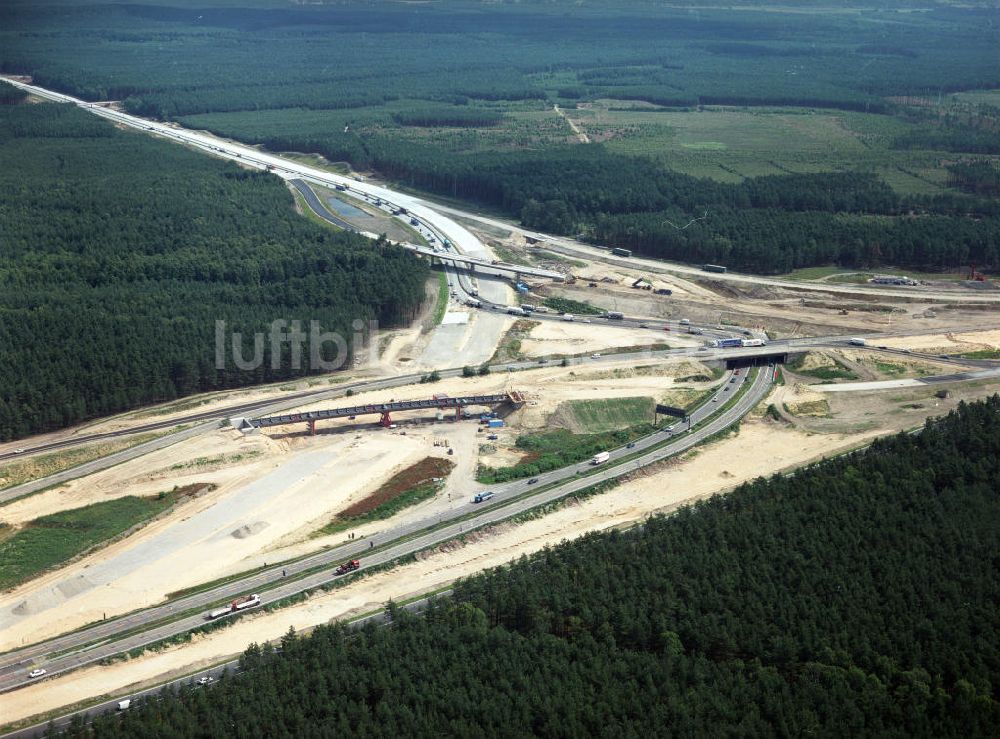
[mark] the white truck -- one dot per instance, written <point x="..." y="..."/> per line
<point x="600" y="458"/>
<point x="857" y="342"/>
<point x="567" y="316"/>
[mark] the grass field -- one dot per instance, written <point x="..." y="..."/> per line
<point x="558" y="448"/>
<point x="416" y="483"/>
<point x="608" y="414"/>
<point x="828" y="371"/>
<point x="442" y="298"/>
<point x="53" y="540"/>
<point x="729" y="144"/>
<point x="573" y="307"/>
<point x="983" y="354"/>
<point x="839" y="274"/>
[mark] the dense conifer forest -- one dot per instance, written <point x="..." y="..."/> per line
<point x="119" y="253"/>
<point x="855" y="598"/>
<point x="457" y="98"/>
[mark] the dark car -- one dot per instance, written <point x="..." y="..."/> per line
<point x="630" y="445"/>
<point x="533" y="480"/>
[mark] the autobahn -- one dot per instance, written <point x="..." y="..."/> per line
<point x="439" y="214"/>
<point x="141" y="628"/>
<point x="207" y="421"/>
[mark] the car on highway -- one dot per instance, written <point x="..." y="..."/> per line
<point x="715" y="399"/>
<point x="206" y="680"/>
<point x="533" y="480"/>
<point x="595" y="356"/>
<point x="883" y="347"/>
<point x="18" y="451"/>
<point x="630" y="445"/>
<point x="587" y="320"/>
<point x="643" y="325"/>
<point x="37" y="672"/>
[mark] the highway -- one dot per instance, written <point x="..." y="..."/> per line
<point x="207" y="421"/>
<point x="99" y="641"/>
<point x="107" y="638"/>
<point x="230" y="669"/>
<point x="573" y="248"/>
<point x="464" y="241"/>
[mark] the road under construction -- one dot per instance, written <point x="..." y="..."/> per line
<point x="725" y="406"/>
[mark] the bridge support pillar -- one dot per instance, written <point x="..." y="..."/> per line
<point x="386" y="419"/>
<point x="458" y="413"/>
<point x="312" y="426"/>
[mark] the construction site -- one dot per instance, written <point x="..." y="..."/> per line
<point x="402" y="445"/>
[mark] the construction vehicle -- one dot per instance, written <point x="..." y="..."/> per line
<point x="975" y="276"/>
<point x="600" y="458"/>
<point x="350" y="566"/>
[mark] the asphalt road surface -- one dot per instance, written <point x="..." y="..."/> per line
<point x="74" y="650"/>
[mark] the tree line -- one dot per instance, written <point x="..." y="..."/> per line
<point x="121" y="252"/>
<point x="857" y="597"/>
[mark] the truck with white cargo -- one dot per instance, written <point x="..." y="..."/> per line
<point x="613" y="315"/>
<point x="242" y="603"/>
<point x="567" y="316"/>
<point x="600" y="458"/>
<point x="857" y="342"/>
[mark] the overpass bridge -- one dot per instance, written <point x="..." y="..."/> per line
<point x="439" y="402"/>
<point x="474" y="263"/>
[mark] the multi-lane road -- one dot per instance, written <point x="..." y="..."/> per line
<point x="147" y="626"/>
<point x="104" y="639"/>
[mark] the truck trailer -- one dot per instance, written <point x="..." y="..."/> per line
<point x="718" y="268"/>
<point x="600" y="458"/>
<point x="857" y="342"/>
<point x="619" y="252"/>
<point x="239" y="604"/>
<point x="613" y="315"/>
<point x="729" y="343"/>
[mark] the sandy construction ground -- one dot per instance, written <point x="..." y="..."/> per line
<point x="273" y="491"/>
<point x="576" y="337"/>
<point x="947" y="343"/>
<point x="761" y="448"/>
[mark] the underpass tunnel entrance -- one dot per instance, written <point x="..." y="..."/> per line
<point x="760" y="360"/>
